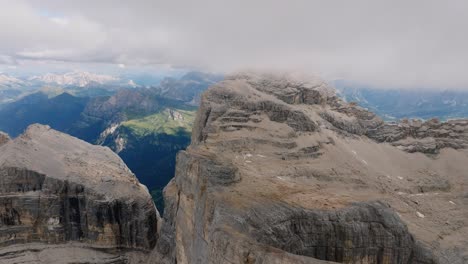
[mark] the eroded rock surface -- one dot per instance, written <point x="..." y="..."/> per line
<point x="56" y="189"/>
<point x="280" y="170"/>
<point x="409" y="135"/>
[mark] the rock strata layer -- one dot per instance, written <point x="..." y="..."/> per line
<point x="56" y="190"/>
<point x="280" y="170"/>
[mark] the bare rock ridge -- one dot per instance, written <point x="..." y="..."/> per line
<point x="63" y="200"/>
<point x="280" y="170"/>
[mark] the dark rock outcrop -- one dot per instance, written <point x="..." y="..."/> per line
<point x="409" y="135"/>
<point x="56" y="189"/>
<point x="280" y="170"/>
<point x="428" y="137"/>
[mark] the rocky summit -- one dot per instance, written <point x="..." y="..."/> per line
<point x="281" y="170"/>
<point x="63" y="200"/>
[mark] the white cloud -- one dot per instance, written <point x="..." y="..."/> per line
<point x="418" y="43"/>
<point x="60" y="21"/>
<point x="5" y="59"/>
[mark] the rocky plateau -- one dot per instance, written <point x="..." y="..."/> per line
<point x="63" y="200"/>
<point x="281" y="170"/>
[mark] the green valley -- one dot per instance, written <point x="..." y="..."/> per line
<point x="169" y="121"/>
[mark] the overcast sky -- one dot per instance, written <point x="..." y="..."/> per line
<point x="382" y="43"/>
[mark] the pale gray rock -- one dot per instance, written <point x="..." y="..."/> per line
<point x="56" y="189"/>
<point x="280" y="170"/>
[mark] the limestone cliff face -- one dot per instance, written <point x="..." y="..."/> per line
<point x="56" y="190"/>
<point x="280" y="170"/>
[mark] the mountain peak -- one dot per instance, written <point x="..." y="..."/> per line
<point x="76" y="78"/>
<point x="287" y="172"/>
<point x="287" y="86"/>
<point x="67" y="200"/>
<point x="63" y="157"/>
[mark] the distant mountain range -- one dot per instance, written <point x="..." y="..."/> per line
<point x="145" y="126"/>
<point x="76" y="78"/>
<point x="7" y="81"/>
<point x="395" y="104"/>
<point x="83" y="84"/>
<point x="189" y="87"/>
<point x="391" y="104"/>
<point x="78" y="83"/>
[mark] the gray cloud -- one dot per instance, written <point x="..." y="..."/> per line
<point x="384" y="43"/>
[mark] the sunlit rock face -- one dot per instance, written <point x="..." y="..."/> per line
<point x="56" y="190"/>
<point x="281" y="170"/>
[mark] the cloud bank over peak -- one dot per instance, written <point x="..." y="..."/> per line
<point x="381" y="43"/>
